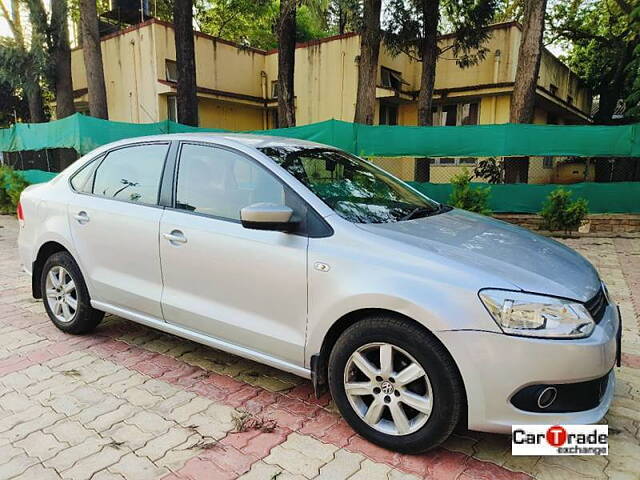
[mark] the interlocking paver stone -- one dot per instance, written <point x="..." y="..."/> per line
<point x="342" y="466"/>
<point x="40" y="445"/>
<point x="92" y="464"/>
<point x="38" y="472"/>
<point x="261" y="471"/>
<point x="138" y="468"/>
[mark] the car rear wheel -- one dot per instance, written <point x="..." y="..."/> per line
<point x="65" y="295"/>
<point x="396" y="384"/>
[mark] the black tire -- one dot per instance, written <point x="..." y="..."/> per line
<point x="86" y="318"/>
<point x="448" y="395"/>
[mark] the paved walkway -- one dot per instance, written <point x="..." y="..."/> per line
<point x="130" y="402"/>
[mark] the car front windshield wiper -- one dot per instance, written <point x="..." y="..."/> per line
<point x="420" y="212"/>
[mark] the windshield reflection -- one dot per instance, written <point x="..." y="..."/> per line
<point x="353" y="188"/>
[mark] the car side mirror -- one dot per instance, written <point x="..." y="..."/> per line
<point x="268" y="216"/>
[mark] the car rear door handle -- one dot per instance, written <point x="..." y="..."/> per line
<point x="176" y="236"/>
<point x="82" y="217"/>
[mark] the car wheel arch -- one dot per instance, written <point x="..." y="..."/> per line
<point x="44" y="252"/>
<point x="320" y="360"/>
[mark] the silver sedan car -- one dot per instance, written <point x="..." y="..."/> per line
<point x="417" y="317"/>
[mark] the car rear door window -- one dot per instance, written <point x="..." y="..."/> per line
<point x="218" y="182"/>
<point x="132" y="173"/>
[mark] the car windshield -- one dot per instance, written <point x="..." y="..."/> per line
<point x="353" y="188"/>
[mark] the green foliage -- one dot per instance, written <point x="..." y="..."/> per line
<point x="253" y="22"/>
<point x="11" y="186"/>
<point x="309" y="25"/>
<point x="12" y="105"/>
<point x="490" y="169"/>
<point x="633" y="71"/>
<point x="405" y="27"/>
<point x="344" y="16"/>
<point x="26" y="62"/>
<point x="463" y="195"/>
<point x="602" y="41"/>
<point x="509" y="10"/>
<point x="559" y="212"/>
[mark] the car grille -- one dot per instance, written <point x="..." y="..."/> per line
<point x="597" y="305"/>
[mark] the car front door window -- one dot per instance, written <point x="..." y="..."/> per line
<point x="218" y="182"/>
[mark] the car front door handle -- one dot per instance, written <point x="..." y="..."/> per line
<point x="82" y="217"/>
<point x="176" y="236"/>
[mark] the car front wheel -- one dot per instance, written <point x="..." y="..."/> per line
<point x="395" y="384"/>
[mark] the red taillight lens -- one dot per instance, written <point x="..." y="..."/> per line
<point x="20" y="213"/>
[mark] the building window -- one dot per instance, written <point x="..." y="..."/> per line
<point x="453" y="115"/>
<point x="274" y="89"/>
<point x="172" y="108"/>
<point x="449" y="115"/>
<point x="553" y="89"/>
<point x="171" y="70"/>
<point x="469" y="114"/>
<point x="273" y="117"/>
<point x="391" y="79"/>
<point x="388" y="114"/>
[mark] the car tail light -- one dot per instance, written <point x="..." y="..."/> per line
<point x="20" y="214"/>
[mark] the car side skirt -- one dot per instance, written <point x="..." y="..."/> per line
<point x="203" y="339"/>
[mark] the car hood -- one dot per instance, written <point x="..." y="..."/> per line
<point x="529" y="261"/>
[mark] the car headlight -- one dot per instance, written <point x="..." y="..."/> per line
<point x="530" y="315"/>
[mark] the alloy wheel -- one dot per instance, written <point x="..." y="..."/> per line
<point x="388" y="388"/>
<point x="61" y="293"/>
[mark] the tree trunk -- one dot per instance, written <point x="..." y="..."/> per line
<point x="523" y="98"/>
<point x="187" y="94"/>
<point x="342" y="20"/>
<point x="33" y="93"/>
<point x="32" y="89"/>
<point x="429" y="54"/>
<point x="286" y="63"/>
<point x="612" y="92"/>
<point x="606" y="105"/>
<point x="92" y="54"/>
<point x="62" y="58"/>
<point x="368" y="65"/>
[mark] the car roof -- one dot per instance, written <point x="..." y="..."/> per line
<point x="246" y="139"/>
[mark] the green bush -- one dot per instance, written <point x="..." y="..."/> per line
<point x="463" y="195"/>
<point x="559" y="212"/>
<point x="11" y="186"/>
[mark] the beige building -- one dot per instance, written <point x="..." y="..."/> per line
<point x="236" y="86"/>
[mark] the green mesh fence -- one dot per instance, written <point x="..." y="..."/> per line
<point x="36" y="176"/>
<point x="86" y="133"/>
<point x="619" y="197"/>
<point x="560" y="154"/>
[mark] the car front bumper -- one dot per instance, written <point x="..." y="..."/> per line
<point x="495" y="366"/>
